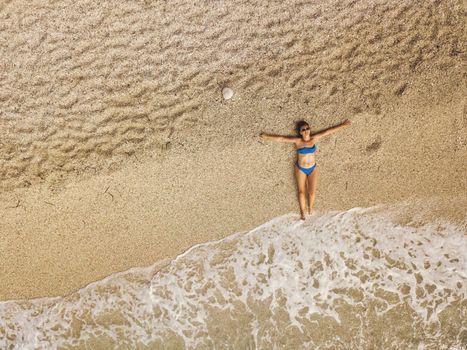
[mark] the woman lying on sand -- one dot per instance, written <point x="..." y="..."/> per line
<point x="305" y="169"/>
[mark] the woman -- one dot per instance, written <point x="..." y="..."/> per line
<point x="305" y="166"/>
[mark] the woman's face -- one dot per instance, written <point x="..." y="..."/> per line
<point x="305" y="130"/>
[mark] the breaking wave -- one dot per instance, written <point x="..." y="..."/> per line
<point x="357" y="279"/>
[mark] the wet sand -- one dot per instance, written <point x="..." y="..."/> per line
<point x="118" y="149"/>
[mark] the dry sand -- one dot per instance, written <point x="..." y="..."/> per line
<point x="117" y="148"/>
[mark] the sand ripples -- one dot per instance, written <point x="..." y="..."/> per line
<point x="85" y="85"/>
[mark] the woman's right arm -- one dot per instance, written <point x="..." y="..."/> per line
<point x="276" y="138"/>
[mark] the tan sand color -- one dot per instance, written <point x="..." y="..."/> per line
<point x="117" y="148"/>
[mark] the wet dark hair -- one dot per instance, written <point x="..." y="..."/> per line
<point x="299" y="125"/>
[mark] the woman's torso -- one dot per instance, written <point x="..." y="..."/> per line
<point x="308" y="159"/>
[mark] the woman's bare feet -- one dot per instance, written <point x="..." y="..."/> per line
<point x="302" y="215"/>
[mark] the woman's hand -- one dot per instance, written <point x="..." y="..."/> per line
<point x="262" y="136"/>
<point x="346" y="122"/>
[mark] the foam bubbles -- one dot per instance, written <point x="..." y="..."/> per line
<point x="354" y="278"/>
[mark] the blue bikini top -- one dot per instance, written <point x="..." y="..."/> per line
<point x="306" y="150"/>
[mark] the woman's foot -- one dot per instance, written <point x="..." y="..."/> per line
<point x="302" y="216"/>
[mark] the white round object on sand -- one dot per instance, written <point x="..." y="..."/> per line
<point x="227" y="93"/>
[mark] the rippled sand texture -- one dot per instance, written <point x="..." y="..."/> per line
<point x="94" y="89"/>
<point x="87" y="84"/>
<point x="358" y="279"/>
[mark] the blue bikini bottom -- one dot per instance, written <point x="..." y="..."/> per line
<point x="307" y="171"/>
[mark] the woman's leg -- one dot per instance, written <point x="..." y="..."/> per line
<point x="312" y="182"/>
<point x="301" y="184"/>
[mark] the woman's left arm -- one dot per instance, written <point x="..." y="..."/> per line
<point x="331" y="130"/>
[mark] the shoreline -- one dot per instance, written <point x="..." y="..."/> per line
<point x="112" y="222"/>
<point x="410" y="212"/>
<point x="119" y="150"/>
<point x="131" y="229"/>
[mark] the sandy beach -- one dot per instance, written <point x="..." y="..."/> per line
<point x="117" y="148"/>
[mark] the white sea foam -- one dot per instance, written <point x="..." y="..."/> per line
<point x="353" y="279"/>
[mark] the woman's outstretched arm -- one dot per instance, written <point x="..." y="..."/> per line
<point x="331" y="130"/>
<point x="277" y="138"/>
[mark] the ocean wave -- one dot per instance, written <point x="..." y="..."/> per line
<point x="356" y="279"/>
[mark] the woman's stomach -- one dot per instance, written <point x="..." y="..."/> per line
<point x="306" y="161"/>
